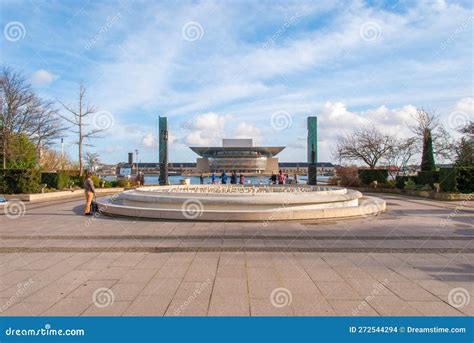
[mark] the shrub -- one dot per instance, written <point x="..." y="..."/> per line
<point x="367" y="176"/>
<point x="348" y="176"/>
<point x="17" y="181"/>
<point x="465" y="179"/>
<point x="427" y="177"/>
<point x="57" y="180"/>
<point x="410" y="184"/>
<point x="400" y="181"/>
<point x="124" y="183"/>
<point x="460" y="179"/>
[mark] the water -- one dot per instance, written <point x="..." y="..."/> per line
<point x="251" y="180"/>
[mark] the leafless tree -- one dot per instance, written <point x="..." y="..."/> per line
<point x="367" y="144"/>
<point x="24" y="112"/>
<point x="77" y="119"/>
<point x="429" y="120"/>
<point x="400" y="155"/>
<point x="92" y="160"/>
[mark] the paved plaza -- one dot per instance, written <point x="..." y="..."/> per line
<point x="415" y="259"/>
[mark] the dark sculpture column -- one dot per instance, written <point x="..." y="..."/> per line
<point x="163" y="153"/>
<point x="312" y="150"/>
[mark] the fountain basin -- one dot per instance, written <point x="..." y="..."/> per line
<point x="241" y="203"/>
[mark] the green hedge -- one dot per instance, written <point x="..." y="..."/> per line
<point x="17" y="181"/>
<point x="427" y="178"/>
<point x="466" y="179"/>
<point x="367" y="176"/>
<point x="400" y="181"/>
<point x="458" y="179"/>
<point x="57" y="180"/>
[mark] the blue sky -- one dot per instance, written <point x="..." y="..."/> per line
<point x="248" y="69"/>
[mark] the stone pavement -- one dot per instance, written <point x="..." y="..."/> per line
<point x="415" y="259"/>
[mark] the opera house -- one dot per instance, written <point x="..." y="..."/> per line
<point x="239" y="155"/>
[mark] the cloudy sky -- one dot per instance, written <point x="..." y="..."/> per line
<point x="244" y="69"/>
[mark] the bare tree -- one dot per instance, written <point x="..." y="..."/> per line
<point x="400" y="155"/>
<point x="92" y="160"/>
<point x="24" y="112"/>
<point x="366" y="144"/>
<point x="429" y="120"/>
<point x="77" y="121"/>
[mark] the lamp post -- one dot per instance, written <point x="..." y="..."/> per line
<point x="136" y="152"/>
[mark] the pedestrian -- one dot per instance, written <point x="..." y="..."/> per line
<point x="213" y="178"/>
<point x="281" y="178"/>
<point x="273" y="178"/>
<point x="242" y="179"/>
<point x="201" y="179"/>
<point x="296" y="178"/>
<point x="89" y="192"/>
<point x="224" y="178"/>
<point x="233" y="178"/>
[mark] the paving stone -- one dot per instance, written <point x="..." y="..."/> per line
<point x="229" y="305"/>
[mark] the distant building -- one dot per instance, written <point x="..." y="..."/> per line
<point x="239" y="155"/>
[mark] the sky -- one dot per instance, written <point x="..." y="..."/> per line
<point x="243" y="69"/>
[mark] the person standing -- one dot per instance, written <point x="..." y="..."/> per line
<point x="242" y="179"/>
<point x="224" y="178"/>
<point x="89" y="192"/>
<point x="273" y="179"/>
<point x="296" y="178"/>
<point x="233" y="178"/>
<point x="213" y="178"/>
<point x="201" y="179"/>
<point x="281" y="178"/>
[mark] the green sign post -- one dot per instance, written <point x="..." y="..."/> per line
<point x="163" y="153"/>
<point x="312" y="150"/>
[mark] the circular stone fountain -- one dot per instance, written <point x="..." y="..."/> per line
<point x="241" y="203"/>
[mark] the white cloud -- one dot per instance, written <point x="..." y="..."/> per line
<point x="149" y="140"/>
<point x="246" y="130"/>
<point x="206" y="129"/>
<point x="42" y="77"/>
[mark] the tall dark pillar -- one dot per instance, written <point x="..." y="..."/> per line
<point x="312" y="150"/>
<point x="163" y="153"/>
